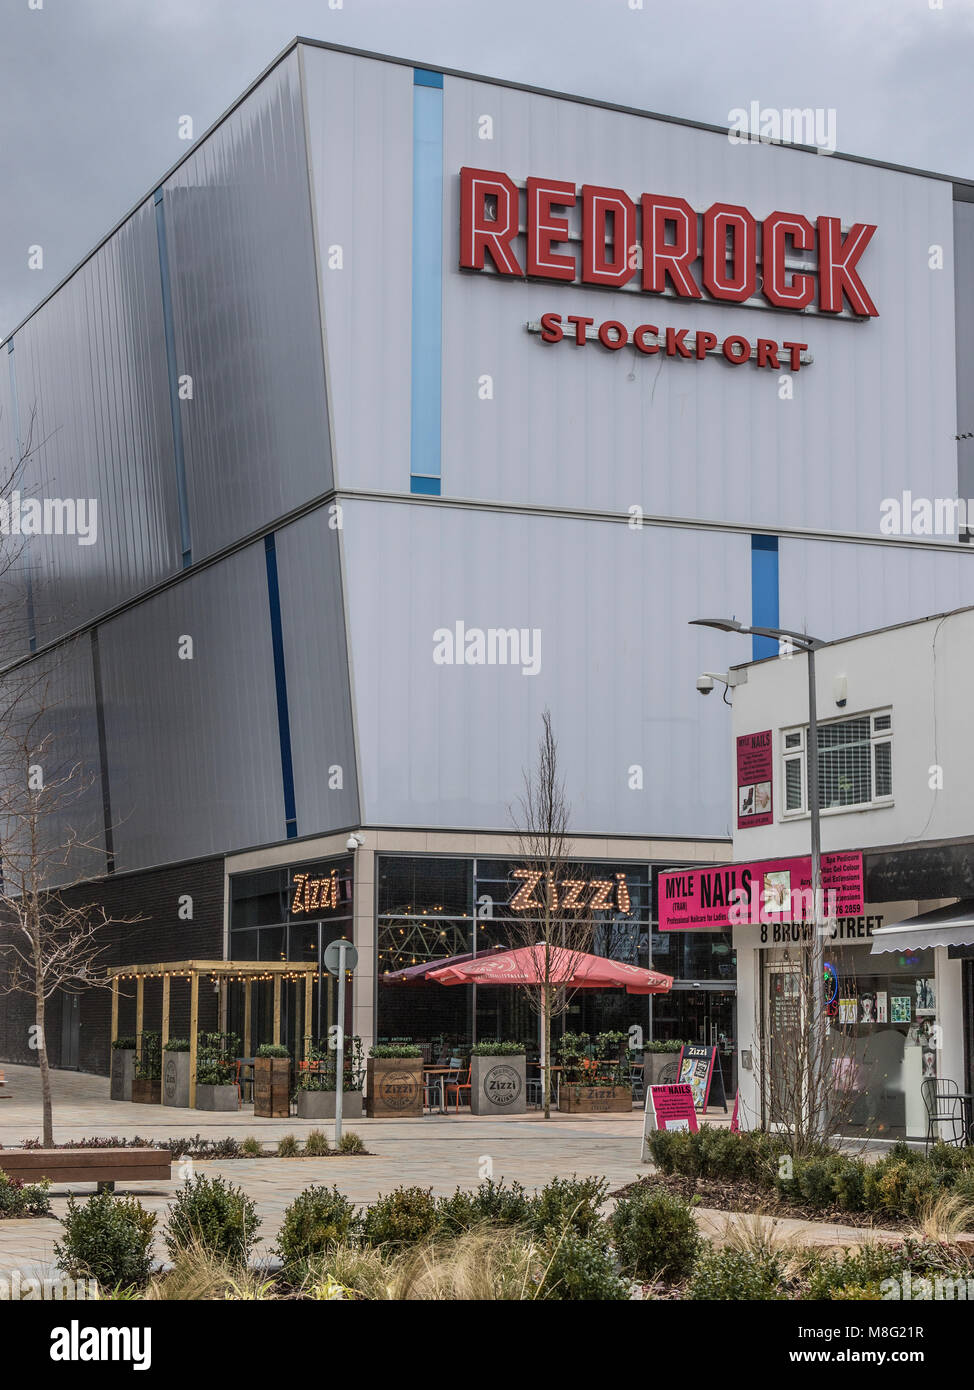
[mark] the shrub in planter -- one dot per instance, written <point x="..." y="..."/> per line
<point x="216" y="1087"/>
<point x="318" y="1219"/>
<point x="655" y="1233"/>
<point x="216" y="1216"/>
<point x="498" y="1079"/>
<point x="730" y="1276"/>
<point x="491" y="1202"/>
<point x="571" y="1202"/>
<point x="403" y="1217"/>
<point x="315" y="1092"/>
<point x="23" y="1199"/>
<point x="107" y="1238"/>
<point x="579" y="1268"/>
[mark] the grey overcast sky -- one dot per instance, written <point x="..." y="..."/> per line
<point x="93" y="89"/>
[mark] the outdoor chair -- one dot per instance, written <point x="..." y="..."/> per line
<point x="456" y="1086"/>
<point x="638" y="1083"/>
<point x="944" y="1107"/>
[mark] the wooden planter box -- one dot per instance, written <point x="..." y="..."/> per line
<point x="320" y="1105"/>
<point x="595" y="1100"/>
<point x="272" y="1087"/>
<point x="394" y="1088"/>
<point x="656" y="1062"/>
<point x="175" y="1078"/>
<point x="123" y="1073"/>
<point x="215" y="1097"/>
<point x="497" y="1085"/>
<point x="146" y="1092"/>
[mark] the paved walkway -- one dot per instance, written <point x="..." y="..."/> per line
<point x="440" y="1151"/>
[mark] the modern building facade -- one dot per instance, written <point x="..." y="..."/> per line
<point x="896" y="787"/>
<point x="414" y="403"/>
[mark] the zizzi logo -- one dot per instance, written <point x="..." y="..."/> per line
<point x="492" y="646"/>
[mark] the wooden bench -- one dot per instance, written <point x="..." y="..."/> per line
<point x="105" y="1167"/>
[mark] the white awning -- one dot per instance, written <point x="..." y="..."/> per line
<point x="945" y="926"/>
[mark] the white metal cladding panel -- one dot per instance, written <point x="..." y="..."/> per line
<point x="91" y="371"/>
<point x="834" y="589"/>
<point x="584" y="426"/>
<point x="316" y="661"/>
<point x="247" y="324"/>
<point x="445" y="745"/>
<point x="54" y="713"/>
<point x="193" y="748"/>
<point x="360" y="116"/>
<point x="964" y="319"/>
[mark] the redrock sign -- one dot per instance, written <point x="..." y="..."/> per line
<point x="668" y="246"/>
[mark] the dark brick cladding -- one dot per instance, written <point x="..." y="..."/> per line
<point x="153" y="896"/>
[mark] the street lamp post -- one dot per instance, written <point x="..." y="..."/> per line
<point x="810" y="646"/>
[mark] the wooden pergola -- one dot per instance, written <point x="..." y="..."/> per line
<point x="246" y="972"/>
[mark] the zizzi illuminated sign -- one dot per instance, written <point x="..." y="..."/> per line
<point x="664" y="248"/>
<point x="313" y="894"/>
<point x="595" y="894"/>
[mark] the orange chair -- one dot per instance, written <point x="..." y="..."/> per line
<point x="457" y="1086"/>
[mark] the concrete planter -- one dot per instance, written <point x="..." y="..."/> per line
<point x="394" y="1088"/>
<point x="272" y="1087"/>
<point x="123" y="1073"/>
<point x="320" y="1105"/>
<point x="175" y="1078"/>
<point x="497" y="1085"/>
<point x="145" y="1092"/>
<point x="216" y="1097"/>
<point x="655" y="1063"/>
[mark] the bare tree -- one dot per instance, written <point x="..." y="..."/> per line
<point x="550" y="914"/>
<point x="55" y="940"/>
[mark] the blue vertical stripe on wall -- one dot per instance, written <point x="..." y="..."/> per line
<point x="28" y="567"/>
<point x="186" y="544"/>
<point x="427" y="271"/>
<point x="280" y="682"/>
<point x="764" y="593"/>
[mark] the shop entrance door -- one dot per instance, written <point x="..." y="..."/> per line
<point x="783" y="1032"/>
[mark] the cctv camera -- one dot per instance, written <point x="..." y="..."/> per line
<point x="353" y="842"/>
<point x="704" y="685"/>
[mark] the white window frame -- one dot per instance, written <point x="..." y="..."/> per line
<point x="799" y="753"/>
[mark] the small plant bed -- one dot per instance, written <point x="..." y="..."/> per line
<point x="755" y="1172"/>
<point x="19" y="1199"/>
<point x="314" y="1145"/>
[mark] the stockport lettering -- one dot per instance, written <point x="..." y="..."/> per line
<point x="664" y="231"/>
<point x="673" y="342"/>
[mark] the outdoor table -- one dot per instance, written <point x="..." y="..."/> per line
<point x="441" y="1072"/>
<point x="965" y="1098"/>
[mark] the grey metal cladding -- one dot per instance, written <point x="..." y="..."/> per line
<point x="316" y="662"/>
<point x="964" y="330"/>
<point x="15" y="639"/>
<point x="193" y="747"/>
<point x="445" y="745"/>
<point x="836" y="589"/>
<point x="246" y="317"/>
<point x="870" y="416"/>
<point x="93" y="394"/>
<point x="360" y="124"/>
<point x="53" y="714"/>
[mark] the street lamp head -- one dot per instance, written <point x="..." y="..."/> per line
<point x="721" y="624"/>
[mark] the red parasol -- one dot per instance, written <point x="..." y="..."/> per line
<point x="568" y="969"/>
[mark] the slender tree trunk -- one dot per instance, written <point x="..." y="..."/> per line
<point x="45" y="1070"/>
<point x="546" y="1027"/>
